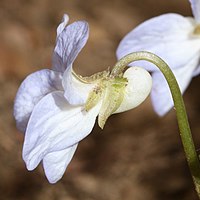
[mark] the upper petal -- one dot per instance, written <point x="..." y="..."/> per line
<point x="69" y="43"/>
<point x="168" y="36"/>
<point x="76" y="92"/>
<point x="161" y="95"/>
<point x="32" y="89"/>
<point x="138" y="88"/>
<point x="195" y="4"/>
<point x="55" y="163"/>
<point x="55" y="125"/>
<point x="63" y="24"/>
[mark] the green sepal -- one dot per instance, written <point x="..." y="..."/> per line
<point x="113" y="97"/>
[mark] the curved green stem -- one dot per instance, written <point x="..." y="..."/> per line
<point x="185" y="133"/>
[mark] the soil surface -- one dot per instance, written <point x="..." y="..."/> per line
<point x="138" y="155"/>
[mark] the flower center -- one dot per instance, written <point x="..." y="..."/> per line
<point x="108" y="89"/>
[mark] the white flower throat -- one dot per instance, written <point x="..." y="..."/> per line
<point x="109" y="90"/>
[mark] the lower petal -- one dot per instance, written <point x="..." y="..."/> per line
<point x="55" y="125"/>
<point x="55" y="163"/>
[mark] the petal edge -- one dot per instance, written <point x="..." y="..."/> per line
<point x="55" y="163"/>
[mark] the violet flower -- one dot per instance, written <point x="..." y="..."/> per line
<point x="57" y="108"/>
<point x="174" y="38"/>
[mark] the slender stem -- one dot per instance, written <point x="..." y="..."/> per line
<point x="185" y="133"/>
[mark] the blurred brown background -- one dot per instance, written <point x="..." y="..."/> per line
<point x="138" y="155"/>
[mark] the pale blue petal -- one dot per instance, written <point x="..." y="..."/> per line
<point x="32" y="89"/>
<point x="63" y="24"/>
<point x="68" y="45"/>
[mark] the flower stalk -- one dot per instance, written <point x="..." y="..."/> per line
<point x="185" y="132"/>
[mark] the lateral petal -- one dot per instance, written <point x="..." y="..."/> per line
<point x="55" y="125"/>
<point x="195" y="4"/>
<point x="161" y="95"/>
<point x="55" y="163"/>
<point x="68" y="45"/>
<point x="168" y="36"/>
<point x="32" y="89"/>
